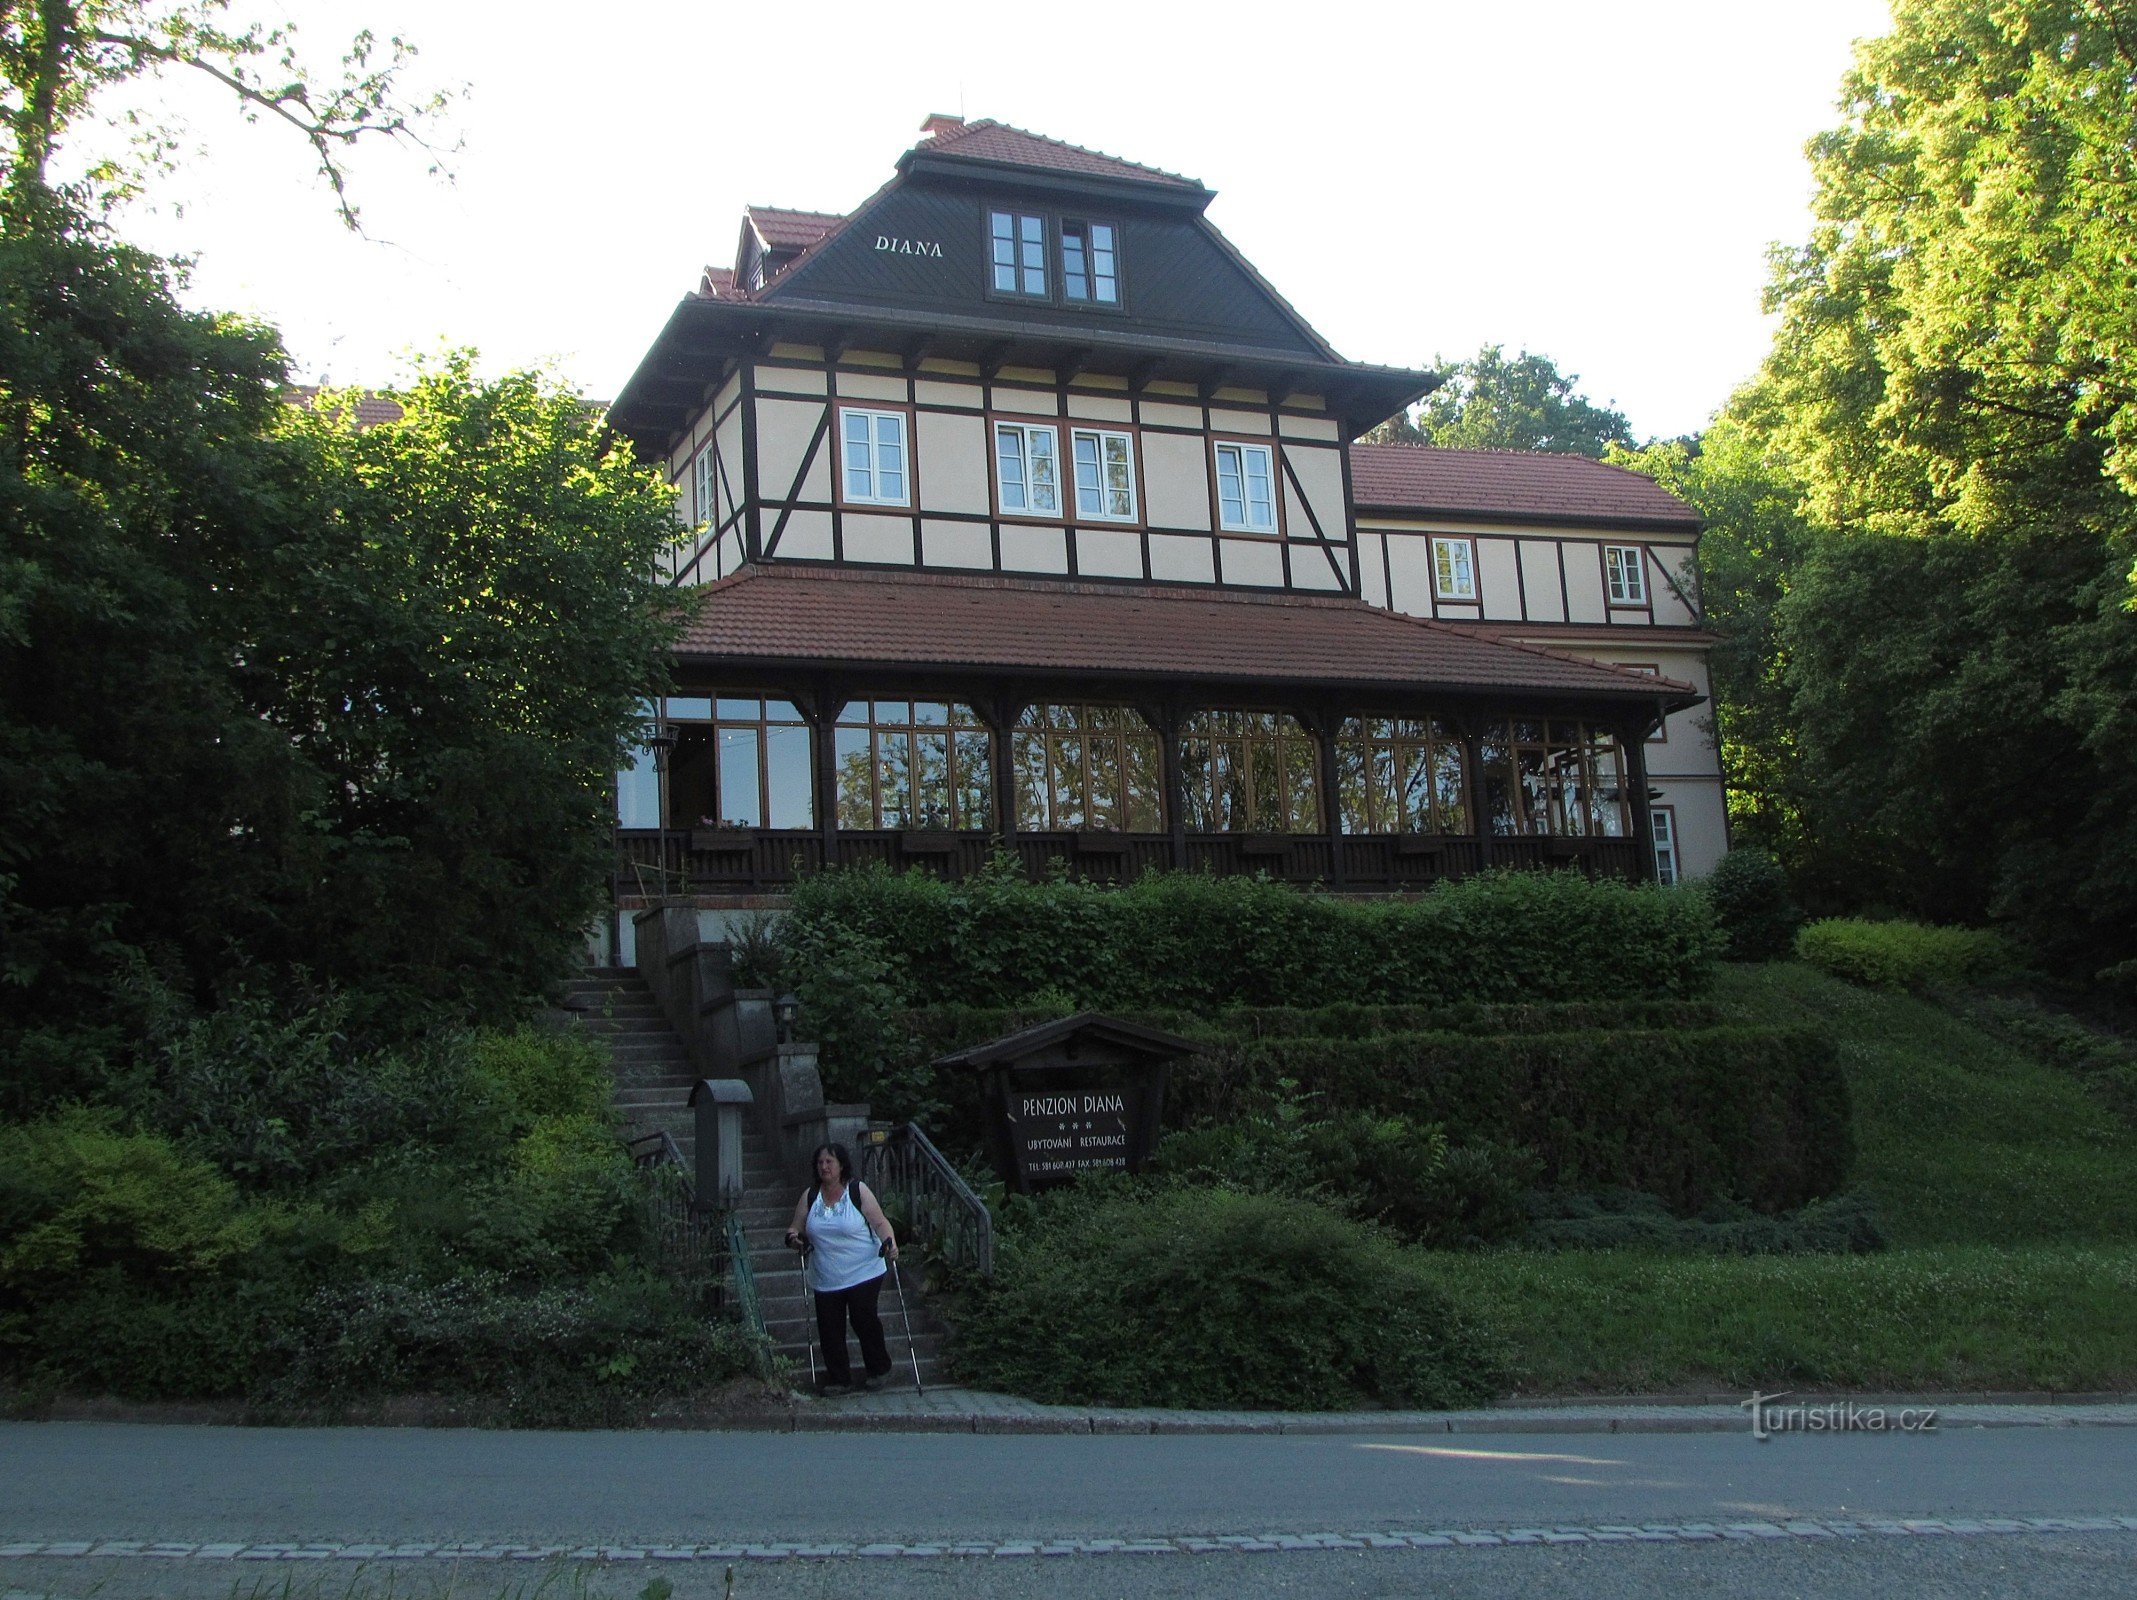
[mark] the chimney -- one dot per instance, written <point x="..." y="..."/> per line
<point x="940" y="123"/>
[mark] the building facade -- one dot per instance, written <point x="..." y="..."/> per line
<point x="1025" y="514"/>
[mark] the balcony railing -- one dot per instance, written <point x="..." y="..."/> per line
<point x="769" y="859"/>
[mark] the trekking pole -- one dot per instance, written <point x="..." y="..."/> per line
<point x="912" y="1351"/>
<point x="800" y="1242"/>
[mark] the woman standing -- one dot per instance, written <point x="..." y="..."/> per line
<point x="847" y="1239"/>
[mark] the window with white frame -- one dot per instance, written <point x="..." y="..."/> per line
<point x="874" y="457"/>
<point x="1105" y="474"/>
<point x="1018" y="243"/>
<point x="1090" y="269"/>
<point x="1027" y="468"/>
<point x="1246" y="488"/>
<point x="1664" y="822"/>
<point x="1625" y="565"/>
<point x="704" y="474"/>
<point x="1454" y="569"/>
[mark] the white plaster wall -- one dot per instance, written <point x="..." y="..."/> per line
<point x="1681" y="561"/>
<point x="807" y="537"/>
<point x="952" y="455"/>
<point x="955" y="544"/>
<point x="1372" y="578"/>
<point x="1026" y="549"/>
<point x="1251" y="561"/>
<point x="1539" y="572"/>
<point x="1310" y="568"/>
<point x="1176" y="481"/>
<point x="870" y="386"/>
<point x="875" y="538"/>
<point x="784" y="429"/>
<point x="1499" y="578"/>
<point x="1584" y="582"/>
<point x="1108" y="553"/>
<point x="1179" y="560"/>
<point x="1410" y="571"/>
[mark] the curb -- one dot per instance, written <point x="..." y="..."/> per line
<point x="953" y="1410"/>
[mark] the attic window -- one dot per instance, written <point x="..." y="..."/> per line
<point x="1019" y="244"/>
<point x="1090" y="268"/>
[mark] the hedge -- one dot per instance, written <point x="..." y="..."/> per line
<point x="1759" y="1115"/>
<point x="1199" y="941"/>
<point x="1691" y="1114"/>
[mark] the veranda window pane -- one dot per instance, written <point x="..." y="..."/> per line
<point x="728" y="710"/>
<point x="1145" y="786"/>
<point x="692" y="708"/>
<point x="740" y="801"/>
<point x="1302" y="787"/>
<point x="780" y="711"/>
<point x="1105" y="780"/>
<point x="1388" y="816"/>
<point x="1453" y="808"/>
<point x="974" y="790"/>
<point x="1065" y="775"/>
<point x="930" y="713"/>
<point x="855" y="761"/>
<point x="787" y="768"/>
<point x="1027" y="761"/>
<point x="1353" y="763"/>
<point x="894" y="713"/>
<point x="638" y="792"/>
<point x="1195" y="785"/>
<point x="932" y="806"/>
<point x="1265" y="786"/>
<point x="894" y="779"/>
<point x="1416" y="789"/>
<point x="1529" y="792"/>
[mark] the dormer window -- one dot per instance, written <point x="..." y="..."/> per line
<point x="1019" y="254"/>
<point x="1090" y="268"/>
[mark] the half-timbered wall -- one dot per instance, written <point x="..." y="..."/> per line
<point x="709" y="470"/>
<point x="954" y="520"/>
<point x="1526" y="574"/>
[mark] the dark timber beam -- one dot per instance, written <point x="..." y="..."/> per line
<point x="1142" y="372"/>
<point x="994" y="358"/>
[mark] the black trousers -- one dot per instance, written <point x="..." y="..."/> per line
<point x="859" y="1303"/>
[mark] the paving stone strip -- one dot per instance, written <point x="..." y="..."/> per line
<point x="1219" y="1544"/>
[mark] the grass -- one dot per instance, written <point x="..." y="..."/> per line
<point x="2009" y="1193"/>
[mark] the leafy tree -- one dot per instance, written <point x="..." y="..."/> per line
<point x="1951" y="392"/>
<point x="279" y="697"/>
<point x="1494" y="402"/>
<point x="57" y="55"/>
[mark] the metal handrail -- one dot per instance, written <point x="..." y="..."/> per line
<point x="941" y="1209"/>
<point x="689" y="1236"/>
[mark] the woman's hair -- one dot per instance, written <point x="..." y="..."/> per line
<point x="841" y="1155"/>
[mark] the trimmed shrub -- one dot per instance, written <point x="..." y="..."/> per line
<point x="1904" y="955"/>
<point x="1193" y="940"/>
<point x="1205" y="1298"/>
<point x="1749" y="893"/>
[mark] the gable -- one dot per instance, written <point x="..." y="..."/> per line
<point x="924" y="245"/>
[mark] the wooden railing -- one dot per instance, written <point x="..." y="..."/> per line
<point x="770" y="859"/>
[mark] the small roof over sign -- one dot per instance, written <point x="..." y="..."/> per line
<point x="1014" y="1047"/>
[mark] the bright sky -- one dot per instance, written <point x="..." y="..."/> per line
<point x="1597" y="183"/>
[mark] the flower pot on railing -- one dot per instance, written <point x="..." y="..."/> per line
<point x="723" y="841"/>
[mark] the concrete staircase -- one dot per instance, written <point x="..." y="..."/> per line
<point x="613" y="1006"/>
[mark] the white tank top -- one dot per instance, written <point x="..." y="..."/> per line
<point x="843" y="1249"/>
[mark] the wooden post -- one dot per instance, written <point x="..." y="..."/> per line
<point x="1473" y="785"/>
<point x="1634" y="740"/>
<point x="1166" y="721"/>
<point x="822" y="708"/>
<point x="1323" y="724"/>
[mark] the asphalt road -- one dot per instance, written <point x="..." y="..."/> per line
<point x="85" y="1481"/>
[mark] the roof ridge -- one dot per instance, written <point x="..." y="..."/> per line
<point x="947" y="145"/>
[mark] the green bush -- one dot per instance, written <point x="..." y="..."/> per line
<point x="1749" y="893"/>
<point x="589" y="1352"/>
<point x="1197" y="941"/>
<point x="1384" y="1169"/>
<point x="1206" y="1298"/>
<point x="79" y="1196"/>
<point x="1904" y="955"/>
<point x="1760" y="1115"/>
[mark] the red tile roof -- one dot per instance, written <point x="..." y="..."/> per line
<point x="988" y="140"/>
<point x="718" y="283"/>
<point x="794" y="613"/>
<point x="1510" y="485"/>
<point x="781" y="229"/>
<point x="371" y="408"/>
